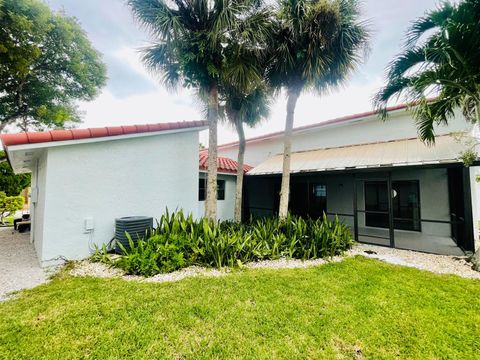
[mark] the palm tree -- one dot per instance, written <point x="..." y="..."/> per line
<point x="243" y="109"/>
<point x="192" y="38"/>
<point x="438" y="70"/>
<point x="317" y="44"/>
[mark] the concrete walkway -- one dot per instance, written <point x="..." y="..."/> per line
<point x="19" y="268"/>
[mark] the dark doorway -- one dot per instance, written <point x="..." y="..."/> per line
<point x="460" y="207"/>
<point x="405" y="204"/>
<point x="308" y="199"/>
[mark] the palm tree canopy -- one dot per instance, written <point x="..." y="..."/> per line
<point x="250" y="108"/>
<point x="317" y="43"/>
<point x="439" y="69"/>
<point x="195" y="41"/>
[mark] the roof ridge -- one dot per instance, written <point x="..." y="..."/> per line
<point x="324" y="123"/>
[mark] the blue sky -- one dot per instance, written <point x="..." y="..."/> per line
<point x="134" y="96"/>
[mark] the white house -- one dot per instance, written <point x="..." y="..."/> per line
<point x="347" y="166"/>
<point x="86" y="178"/>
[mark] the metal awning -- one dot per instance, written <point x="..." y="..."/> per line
<point x="404" y="152"/>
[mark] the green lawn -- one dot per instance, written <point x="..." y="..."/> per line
<point x="358" y="307"/>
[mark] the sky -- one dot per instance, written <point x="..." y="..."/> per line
<point x="135" y="96"/>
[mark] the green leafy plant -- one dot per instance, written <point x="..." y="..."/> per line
<point x="100" y="254"/>
<point x="437" y="70"/>
<point x="180" y="241"/>
<point x="12" y="184"/>
<point x="9" y="205"/>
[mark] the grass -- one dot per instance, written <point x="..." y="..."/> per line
<point x="8" y="220"/>
<point x="358" y="307"/>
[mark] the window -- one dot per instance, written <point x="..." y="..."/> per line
<point x="202" y="189"/>
<point x="308" y="199"/>
<point x="220" y="189"/>
<point x="405" y="204"/>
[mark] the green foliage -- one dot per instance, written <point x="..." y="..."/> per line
<point x="468" y="157"/>
<point x="199" y="43"/>
<point x="157" y="254"/>
<point x="9" y="205"/>
<point x="10" y="183"/>
<point x="181" y="241"/>
<point x="46" y="64"/>
<point x="100" y="254"/>
<point x="316" y="44"/>
<point x="440" y="60"/>
<point x="243" y="107"/>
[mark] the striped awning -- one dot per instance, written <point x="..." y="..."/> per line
<point x="404" y="152"/>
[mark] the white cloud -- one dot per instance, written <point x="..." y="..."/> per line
<point x="153" y="107"/>
<point x="133" y="58"/>
<point x="108" y="110"/>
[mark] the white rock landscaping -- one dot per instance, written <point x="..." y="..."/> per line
<point x="439" y="264"/>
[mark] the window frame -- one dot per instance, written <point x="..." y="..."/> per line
<point x="202" y="189"/>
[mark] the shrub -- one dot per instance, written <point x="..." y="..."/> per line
<point x="159" y="253"/>
<point x="9" y="205"/>
<point x="180" y="240"/>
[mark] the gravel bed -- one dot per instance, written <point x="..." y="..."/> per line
<point x="95" y="269"/>
<point x="87" y="268"/>
<point x="290" y="263"/>
<point x="19" y="267"/>
<point x="439" y="264"/>
<point x="191" y="271"/>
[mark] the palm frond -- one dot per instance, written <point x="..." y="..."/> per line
<point x="431" y="20"/>
<point x="428" y="113"/>
<point x="156" y="17"/>
<point x="444" y="65"/>
<point x="392" y="90"/>
<point x="161" y="58"/>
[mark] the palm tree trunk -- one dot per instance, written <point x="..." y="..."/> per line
<point x="212" y="117"/>
<point x="240" y="160"/>
<point x="287" y="150"/>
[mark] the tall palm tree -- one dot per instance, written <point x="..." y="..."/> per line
<point x="191" y="41"/>
<point x="248" y="109"/>
<point x="439" y="69"/>
<point x="317" y="44"/>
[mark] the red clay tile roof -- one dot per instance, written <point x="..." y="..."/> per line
<point x="318" y="125"/>
<point x="77" y="134"/>
<point x="225" y="164"/>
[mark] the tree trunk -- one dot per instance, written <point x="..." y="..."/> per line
<point x="287" y="149"/>
<point x="240" y="158"/>
<point x="212" y="117"/>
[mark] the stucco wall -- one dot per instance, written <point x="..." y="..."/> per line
<point x="225" y="208"/>
<point x="366" y="130"/>
<point x="106" y="180"/>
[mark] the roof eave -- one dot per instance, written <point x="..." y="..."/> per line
<point x="49" y="144"/>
